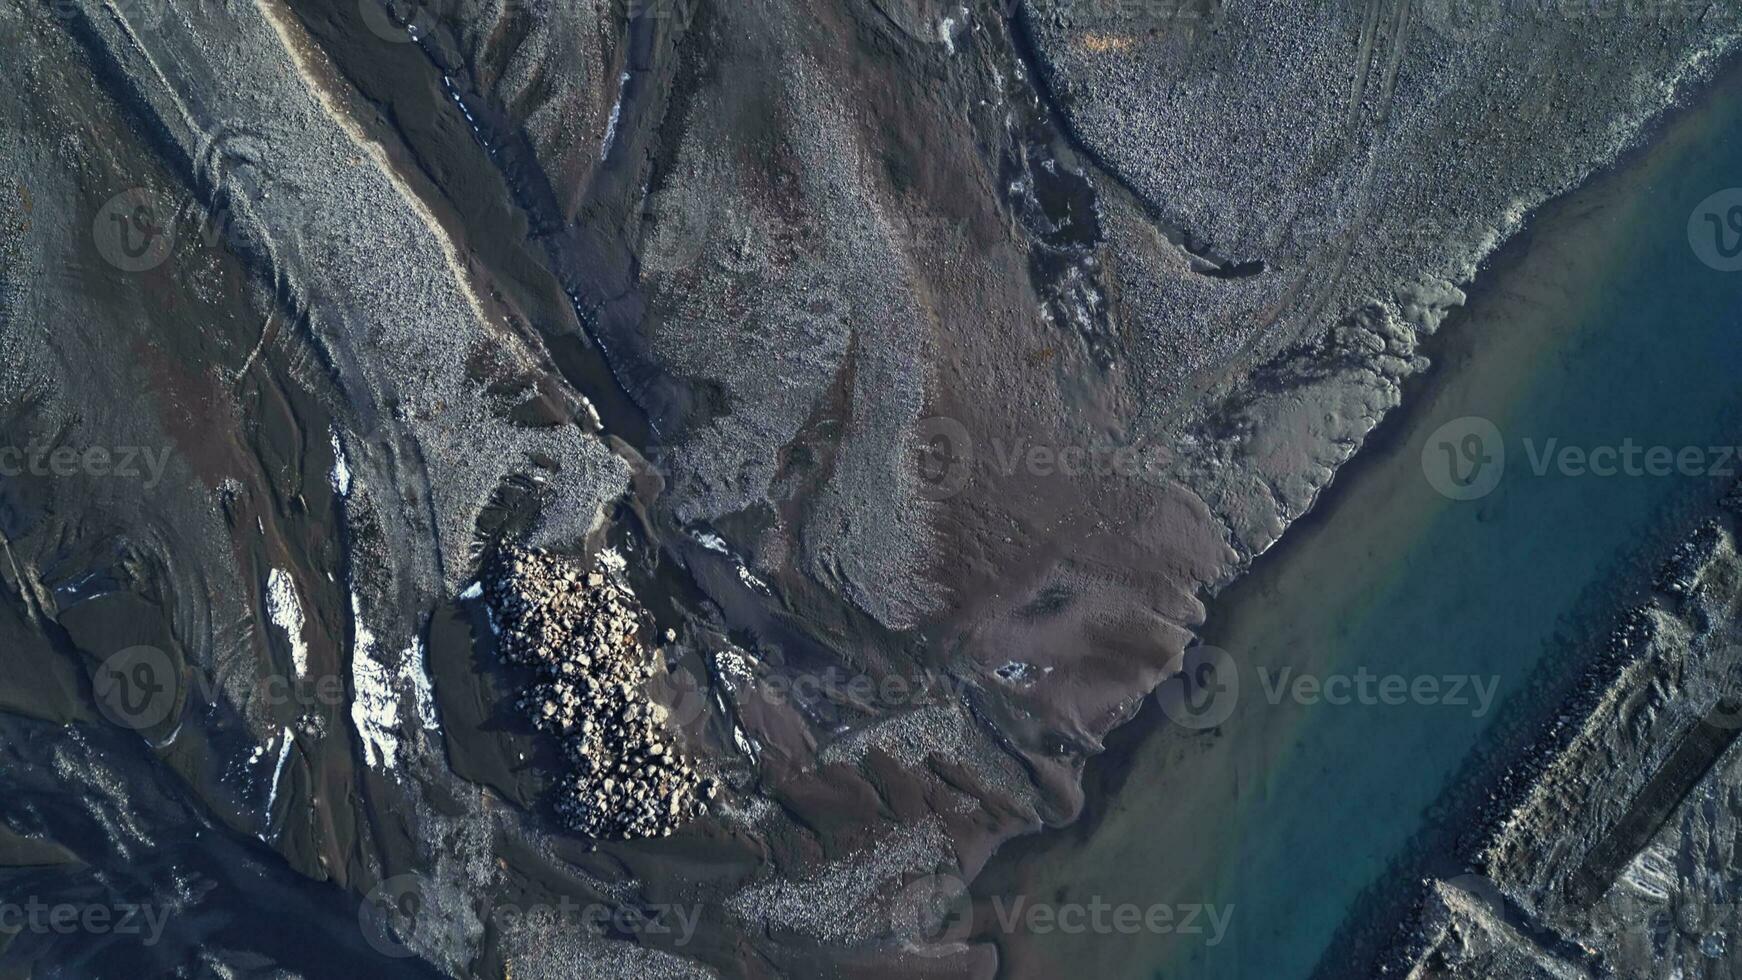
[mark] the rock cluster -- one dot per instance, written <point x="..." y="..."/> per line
<point x="1680" y="573"/>
<point x="582" y="632"/>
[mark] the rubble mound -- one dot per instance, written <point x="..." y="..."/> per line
<point x="582" y="632"/>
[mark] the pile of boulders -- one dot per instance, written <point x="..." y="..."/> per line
<point x="582" y="631"/>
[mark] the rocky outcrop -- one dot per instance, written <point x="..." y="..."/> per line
<point x="1616" y="860"/>
<point x="582" y="632"/>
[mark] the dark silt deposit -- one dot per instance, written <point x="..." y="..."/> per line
<point x="680" y="488"/>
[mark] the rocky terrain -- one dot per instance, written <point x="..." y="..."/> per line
<point x="720" y="283"/>
<point x="1617" y="861"/>
<point x="581" y="633"/>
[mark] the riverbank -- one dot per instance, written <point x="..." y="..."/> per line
<point x="1387" y="574"/>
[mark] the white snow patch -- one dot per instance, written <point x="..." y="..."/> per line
<point x="375" y="709"/>
<point x="745" y="744"/>
<point x="751" y="580"/>
<point x="285" y="610"/>
<point x="473" y="591"/>
<point x="415" y="670"/>
<point x="380" y="688"/>
<point x="946" y="30"/>
<point x="616" y="112"/>
<point x="734" y="666"/>
<point x="613" y="560"/>
<point x="277" y="775"/>
<point x="715" y="543"/>
<point x="340" y="477"/>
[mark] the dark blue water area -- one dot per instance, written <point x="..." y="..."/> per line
<point x="1482" y="588"/>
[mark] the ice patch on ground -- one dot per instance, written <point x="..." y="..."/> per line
<point x="734" y="667"/>
<point x="277" y="776"/>
<point x="751" y="580"/>
<point x="380" y="686"/>
<point x="613" y="560"/>
<point x="285" y="610"/>
<point x="375" y="707"/>
<point x="415" y="670"/>
<point x="340" y="477"/>
<point x="616" y="113"/>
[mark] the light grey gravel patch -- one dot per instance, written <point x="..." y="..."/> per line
<point x="564" y="112"/>
<point x="846" y="901"/>
<point x="945" y="731"/>
<point x="365" y="265"/>
<point x="556" y="954"/>
<point x="1403" y="167"/>
<point x="813" y="267"/>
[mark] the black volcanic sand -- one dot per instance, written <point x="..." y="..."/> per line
<point x="1033" y="570"/>
<point x="1035" y="598"/>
